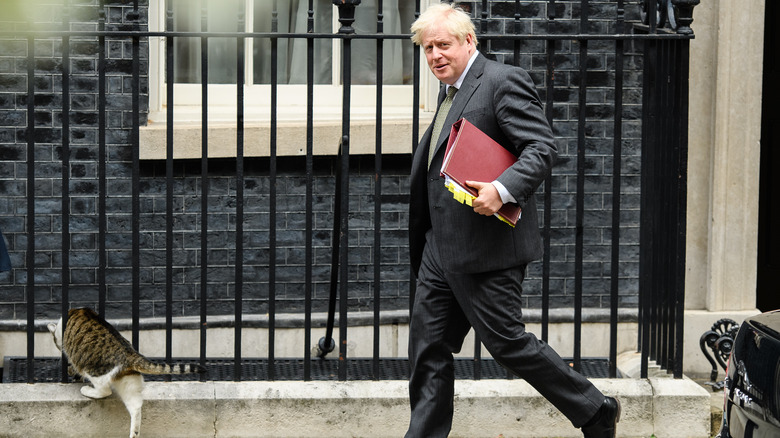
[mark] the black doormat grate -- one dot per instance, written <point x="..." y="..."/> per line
<point x="48" y="369"/>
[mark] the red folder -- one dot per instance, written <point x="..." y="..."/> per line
<point x="471" y="155"/>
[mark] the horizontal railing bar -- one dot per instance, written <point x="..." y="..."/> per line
<point x="561" y="315"/>
<point x="372" y="36"/>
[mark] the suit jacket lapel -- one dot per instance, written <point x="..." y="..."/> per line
<point x="470" y="84"/>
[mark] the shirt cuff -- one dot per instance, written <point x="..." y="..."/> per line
<point x="506" y="197"/>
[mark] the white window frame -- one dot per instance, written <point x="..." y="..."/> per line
<point x="291" y="104"/>
<point x="291" y="109"/>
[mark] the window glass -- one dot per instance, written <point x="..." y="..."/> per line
<point x="292" y="17"/>
<point x="222" y="52"/>
<point x="397" y="17"/>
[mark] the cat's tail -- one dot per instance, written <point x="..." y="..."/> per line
<point x="146" y="366"/>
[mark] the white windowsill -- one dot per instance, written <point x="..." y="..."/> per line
<point x="290" y="135"/>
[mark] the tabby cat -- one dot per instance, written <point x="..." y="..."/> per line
<point x="97" y="352"/>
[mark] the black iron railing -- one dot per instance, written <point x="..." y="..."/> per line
<point x="664" y="54"/>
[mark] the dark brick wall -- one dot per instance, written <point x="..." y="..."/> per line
<point x="290" y="218"/>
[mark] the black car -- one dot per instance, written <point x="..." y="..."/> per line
<point x="751" y="399"/>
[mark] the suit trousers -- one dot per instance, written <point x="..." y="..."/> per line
<point x="446" y="306"/>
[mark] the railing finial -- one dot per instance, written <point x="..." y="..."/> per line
<point x="685" y="15"/>
<point x="346" y="14"/>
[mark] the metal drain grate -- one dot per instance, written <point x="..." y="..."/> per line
<point x="48" y="369"/>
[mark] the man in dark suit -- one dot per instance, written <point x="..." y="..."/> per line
<point x="469" y="265"/>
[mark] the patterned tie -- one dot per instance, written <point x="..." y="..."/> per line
<point x="438" y="124"/>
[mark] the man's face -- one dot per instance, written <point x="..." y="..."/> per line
<point x="447" y="57"/>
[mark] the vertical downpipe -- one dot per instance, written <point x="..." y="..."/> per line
<point x="346" y="18"/>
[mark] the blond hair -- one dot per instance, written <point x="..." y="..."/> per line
<point x="450" y="16"/>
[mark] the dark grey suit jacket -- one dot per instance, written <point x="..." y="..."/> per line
<point x="501" y="101"/>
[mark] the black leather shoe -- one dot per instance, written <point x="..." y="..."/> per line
<point x="604" y="423"/>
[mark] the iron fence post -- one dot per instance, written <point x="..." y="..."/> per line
<point x="308" y="275"/>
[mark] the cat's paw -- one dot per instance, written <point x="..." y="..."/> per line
<point x="91" y="392"/>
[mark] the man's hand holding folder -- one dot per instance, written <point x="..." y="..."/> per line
<point x="471" y="162"/>
<point x="488" y="200"/>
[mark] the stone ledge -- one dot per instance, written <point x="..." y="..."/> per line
<point x="336" y="409"/>
<point x="290" y="139"/>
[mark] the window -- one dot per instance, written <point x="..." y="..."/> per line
<point x="291" y="18"/>
<point x="291" y="102"/>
